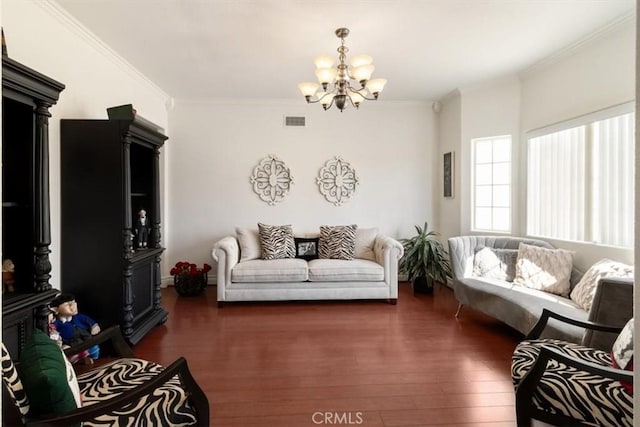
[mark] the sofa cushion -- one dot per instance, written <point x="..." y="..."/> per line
<point x="337" y="242"/>
<point x="365" y="239"/>
<point x="47" y="376"/>
<point x="493" y="263"/>
<point x="339" y="270"/>
<point x="276" y="241"/>
<point x="306" y="247"/>
<point x="275" y="270"/>
<point x="249" y="242"/>
<point x="544" y="269"/>
<point x="585" y="290"/>
<point x="622" y="353"/>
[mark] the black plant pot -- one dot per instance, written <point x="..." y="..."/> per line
<point x="422" y="285"/>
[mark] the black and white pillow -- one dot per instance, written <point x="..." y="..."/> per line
<point x="337" y="242"/>
<point x="622" y="353"/>
<point x="276" y="241"/>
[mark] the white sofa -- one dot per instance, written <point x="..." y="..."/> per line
<point x="291" y="279"/>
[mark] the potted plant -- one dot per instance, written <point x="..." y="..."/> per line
<point x="425" y="260"/>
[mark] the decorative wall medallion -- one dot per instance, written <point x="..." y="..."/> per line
<point x="337" y="181"/>
<point x="271" y="180"/>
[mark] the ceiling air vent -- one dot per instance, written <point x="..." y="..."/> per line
<point x="295" y="121"/>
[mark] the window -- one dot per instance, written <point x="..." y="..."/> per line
<point x="491" y="195"/>
<point x="580" y="179"/>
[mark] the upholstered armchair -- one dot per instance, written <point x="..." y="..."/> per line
<point x="124" y="390"/>
<point x="564" y="383"/>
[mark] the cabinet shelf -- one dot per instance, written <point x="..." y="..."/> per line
<point x="126" y="273"/>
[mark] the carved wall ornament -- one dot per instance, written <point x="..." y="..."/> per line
<point x="271" y="180"/>
<point x="337" y="181"/>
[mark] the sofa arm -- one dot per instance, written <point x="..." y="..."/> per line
<point x="612" y="305"/>
<point x="387" y="252"/>
<point x="385" y="245"/>
<point x="226" y="253"/>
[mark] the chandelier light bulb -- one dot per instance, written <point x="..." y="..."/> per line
<point x="308" y="89"/>
<point x="360" y="60"/>
<point x="363" y="72"/>
<point x="375" y="86"/>
<point x="341" y="84"/>
<point x="326" y="75"/>
<point x="323" y="61"/>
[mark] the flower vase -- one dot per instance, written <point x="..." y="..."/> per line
<point x="190" y="284"/>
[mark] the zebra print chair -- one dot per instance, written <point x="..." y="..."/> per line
<point x="568" y="384"/>
<point x="122" y="391"/>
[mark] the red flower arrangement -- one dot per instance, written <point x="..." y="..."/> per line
<point x="187" y="268"/>
<point x="189" y="279"/>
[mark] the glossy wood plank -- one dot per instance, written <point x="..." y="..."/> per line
<point x="341" y="363"/>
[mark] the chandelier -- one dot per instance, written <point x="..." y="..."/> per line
<point x="343" y="83"/>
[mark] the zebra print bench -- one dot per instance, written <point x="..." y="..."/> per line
<point x="564" y="383"/>
<point x="124" y="391"/>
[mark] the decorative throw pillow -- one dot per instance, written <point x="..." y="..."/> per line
<point x="307" y="247"/>
<point x="249" y="243"/>
<point x="47" y="376"/>
<point x="622" y="353"/>
<point x="276" y="241"/>
<point x="585" y="290"/>
<point x="365" y="239"/>
<point x="497" y="264"/>
<point x="337" y="242"/>
<point x="545" y="269"/>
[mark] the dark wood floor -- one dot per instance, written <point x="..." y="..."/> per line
<point x="350" y="363"/>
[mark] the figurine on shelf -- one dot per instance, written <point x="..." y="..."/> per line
<point x="55" y="336"/>
<point x="72" y="326"/>
<point x="8" y="269"/>
<point x="141" y="229"/>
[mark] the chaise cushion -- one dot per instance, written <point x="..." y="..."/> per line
<point x="497" y="264"/>
<point x="338" y="270"/>
<point x="548" y="270"/>
<point x="275" y="270"/>
<point x="168" y="405"/>
<point x="585" y="290"/>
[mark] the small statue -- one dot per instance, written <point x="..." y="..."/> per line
<point x="55" y="336"/>
<point x="141" y="229"/>
<point x="8" y="270"/>
<point x="73" y="327"/>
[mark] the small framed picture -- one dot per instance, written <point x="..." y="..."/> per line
<point x="306" y="248"/>
<point x="448" y="164"/>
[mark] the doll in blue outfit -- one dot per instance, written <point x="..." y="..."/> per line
<point x="72" y="326"/>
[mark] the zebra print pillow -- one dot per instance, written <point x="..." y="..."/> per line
<point x="337" y="242"/>
<point x="276" y="241"/>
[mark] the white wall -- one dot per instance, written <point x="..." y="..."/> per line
<point x="450" y="125"/>
<point x="592" y="75"/>
<point x="42" y="37"/>
<point x="214" y="147"/>
<point x="490" y="109"/>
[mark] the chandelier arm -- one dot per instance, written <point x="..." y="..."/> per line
<point x="350" y="89"/>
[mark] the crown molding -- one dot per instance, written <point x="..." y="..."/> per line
<point x="622" y="21"/>
<point x="57" y="12"/>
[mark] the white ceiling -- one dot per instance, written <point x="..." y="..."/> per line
<point x="261" y="49"/>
